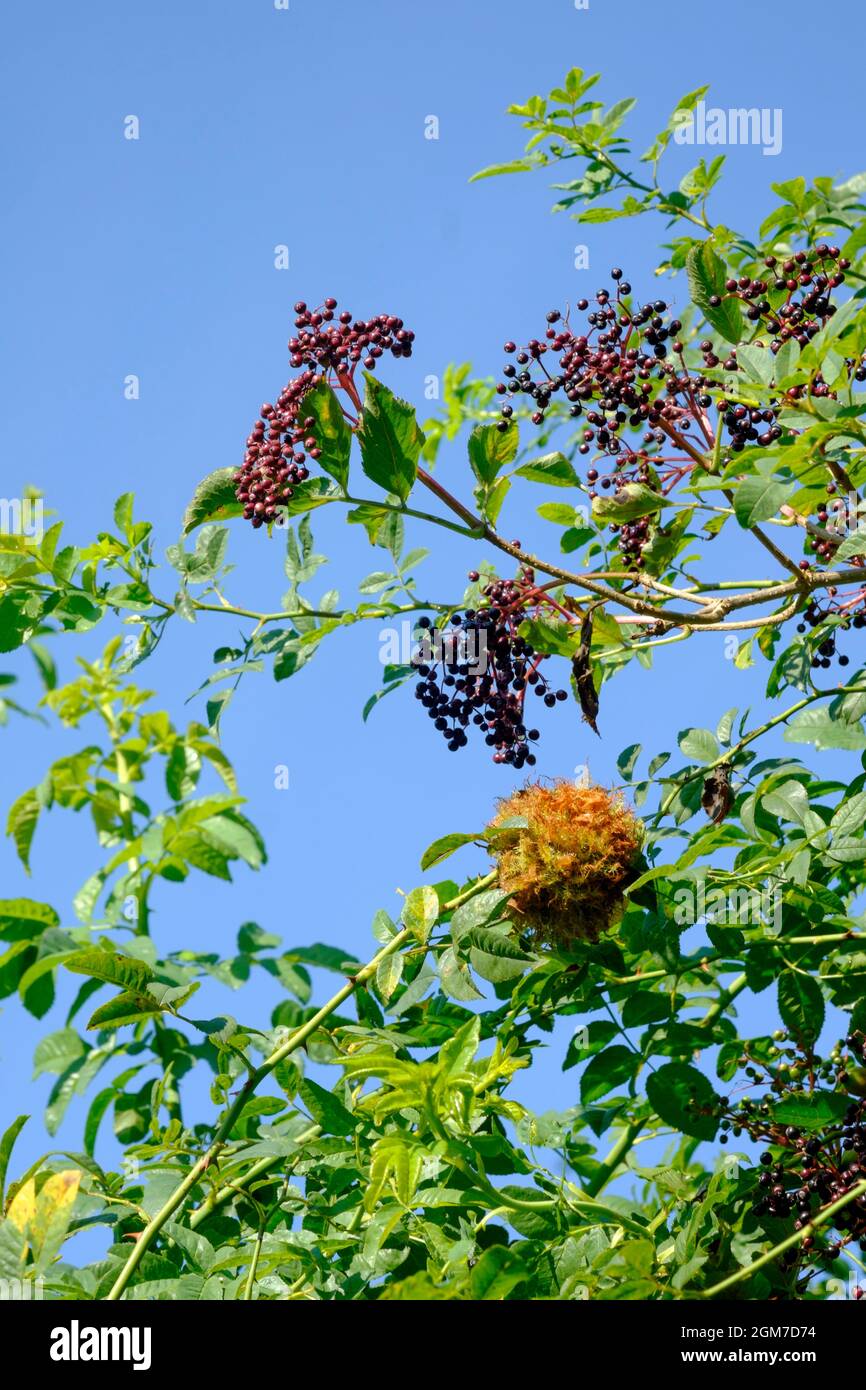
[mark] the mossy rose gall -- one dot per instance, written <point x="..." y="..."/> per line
<point x="568" y="860"/>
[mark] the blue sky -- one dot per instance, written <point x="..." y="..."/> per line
<point x="262" y="127"/>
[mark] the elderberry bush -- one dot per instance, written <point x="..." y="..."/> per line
<point x="707" y="451"/>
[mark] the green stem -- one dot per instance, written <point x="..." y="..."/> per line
<point x="726" y="996"/>
<point x="472" y="532"/>
<point x="286" y="616"/>
<point x="631" y="1131"/>
<point x="610" y="1164"/>
<point x="221" y="1195"/>
<point x="254" y="1264"/>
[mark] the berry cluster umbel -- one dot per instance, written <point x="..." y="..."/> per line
<point x="625" y="373"/>
<point x="609" y="373"/>
<point x="327" y="347"/>
<point x="793" y="301"/>
<point x="802" y="1171"/>
<point x="612" y="363"/>
<point x="479" y="673"/>
<point x="835" y="615"/>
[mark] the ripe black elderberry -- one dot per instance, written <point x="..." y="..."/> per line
<point x="479" y="671"/>
<point x="842" y="614"/>
<point x="328" y="348"/>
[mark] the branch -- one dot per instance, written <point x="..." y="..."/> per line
<point x="609" y="1165"/>
<point x="731" y="753"/>
<point x="235" y="1110"/>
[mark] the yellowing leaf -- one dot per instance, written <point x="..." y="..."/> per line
<point x="22" y="1208"/>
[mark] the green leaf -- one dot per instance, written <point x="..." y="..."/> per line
<point x="628" y="502"/>
<point x="232" y="835"/>
<point x="757" y="364"/>
<point x="790" y="801"/>
<point x="554" y="469"/>
<point x="21" y="824"/>
<point x="482" y="908"/>
<point x="490" y="499"/>
<point x="125" y="1008"/>
<point x="759" y="498"/>
<point x="551" y="635"/>
<point x="793" y="667"/>
<point x="444" y="847"/>
<point x="801" y="1006"/>
<point x="389" y="973"/>
<point x="327" y="1109"/>
<point x="560" y="513"/>
<point x="819" y="727"/>
<point x="313" y="492"/>
<point x="326" y="957"/>
<point x="679" y="1093"/>
<point x="456" y="977"/>
<point x="706" y="276"/>
<point x="490" y="449"/>
<point x="627" y="760"/>
<point x="213" y="500"/>
<point x="496" y="966"/>
<point x="514" y="166"/>
<point x="391" y="440"/>
<point x="95" y="1114"/>
<point x="606" y="1071"/>
<point x="21" y="919"/>
<point x="112" y="968"/>
<point x="495" y="942"/>
<point x="843" y="317"/>
<point x="7" y="1144"/>
<point x="497" y="1273"/>
<point x="331" y="432"/>
<point x="814" y="1111"/>
<point x="540" y="1224"/>
<point x="397" y="1161"/>
<point x="420" y="911"/>
<point x="850" y="815"/>
<point x="56" y="1052"/>
<point x="414" y="992"/>
<point x="855" y="544"/>
<point x="699" y="744"/>
<point x="182" y="770"/>
<point x="197" y="1249"/>
<point x="15" y="625"/>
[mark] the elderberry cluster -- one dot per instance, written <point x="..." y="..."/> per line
<point x="275" y="461"/>
<point x="746" y="424"/>
<point x="793" y="304"/>
<point x="284" y="436"/>
<point x="817" y="613"/>
<point x="814" y="1170"/>
<point x="478" y="674"/>
<point x="611" y="363"/>
<point x="338" y="344"/>
<point x="801" y="1172"/>
<point x="804" y="282"/>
